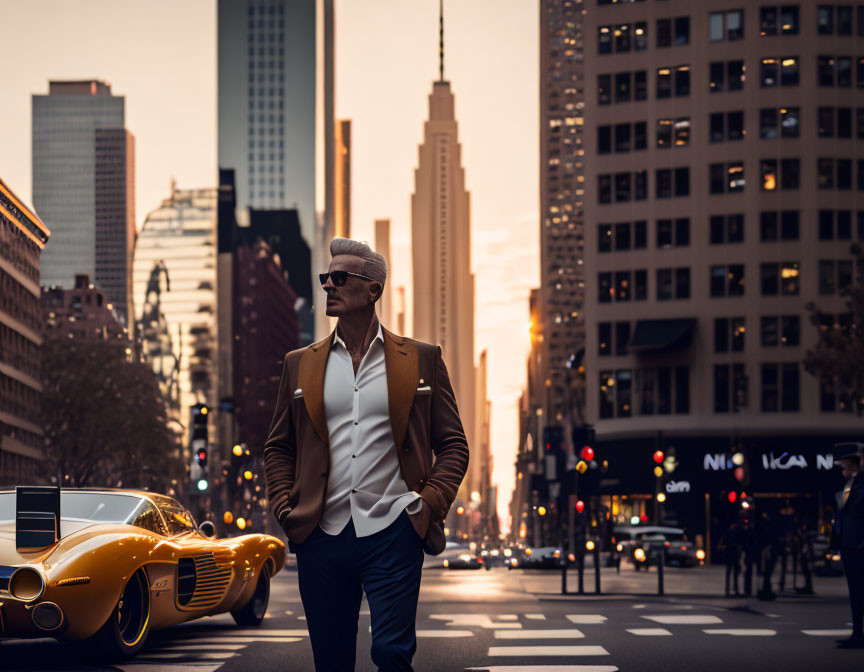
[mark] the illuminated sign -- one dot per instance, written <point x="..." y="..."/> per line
<point x="677" y="486"/>
<point x="770" y="462"/>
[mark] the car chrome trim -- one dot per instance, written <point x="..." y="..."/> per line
<point x="28" y="568"/>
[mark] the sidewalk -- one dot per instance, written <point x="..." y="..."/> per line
<point x="703" y="582"/>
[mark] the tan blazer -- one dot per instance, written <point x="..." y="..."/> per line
<point x="427" y="432"/>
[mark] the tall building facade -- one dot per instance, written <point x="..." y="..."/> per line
<point x="84" y="184"/>
<point x="275" y="106"/>
<point x="560" y="324"/>
<point x="384" y="306"/>
<point x="23" y="237"/>
<point x="441" y="252"/>
<point x="724" y="182"/>
<point x="176" y="255"/>
<point x="342" y="167"/>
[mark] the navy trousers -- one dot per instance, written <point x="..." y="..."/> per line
<point x="335" y="570"/>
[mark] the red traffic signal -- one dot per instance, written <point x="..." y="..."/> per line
<point x="658" y="456"/>
<point x="733" y="496"/>
<point x="587" y="453"/>
<point x="580" y="506"/>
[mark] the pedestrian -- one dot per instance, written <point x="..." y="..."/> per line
<point x="849" y="526"/>
<point x="770" y="542"/>
<point x="360" y="418"/>
<point x="731" y="545"/>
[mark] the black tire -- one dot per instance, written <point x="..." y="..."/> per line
<point x="126" y="630"/>
<point x="252" y="613"/>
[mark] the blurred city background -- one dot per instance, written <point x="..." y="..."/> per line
<point x="634" y="227"/>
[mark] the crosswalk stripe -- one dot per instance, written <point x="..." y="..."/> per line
<point x="544" y="668"/>
<point x="139" y="665"/>
<point x="243" y="640"/>
<point x="741" y="632"/>
<point x="586" y="619"/>
<point x="684" y="619"/>
<point x="198" y="647"/>
<point x="443" y="633"/>
<point x="571" y="633"/>
<point x="199" y="656"/>
<point x="828" y="633"/>
<point x="649" y="632"/>
<point x="536" y="617"/>
<point x="547" y="651"/>
<point x="477" y="620"/>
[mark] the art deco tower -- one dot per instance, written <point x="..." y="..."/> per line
<point x="441" y="242"/>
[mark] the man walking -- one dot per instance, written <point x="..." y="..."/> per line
<point x="350" y="470"/>
<point x="850" y="530"/>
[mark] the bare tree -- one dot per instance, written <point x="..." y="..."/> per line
<point x="105" y="420"/>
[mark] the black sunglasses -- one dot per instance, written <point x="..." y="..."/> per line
<point x="339" y="278"/>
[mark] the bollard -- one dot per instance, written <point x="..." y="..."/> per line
<point x="581" y="572"/>
<point x="597" y="569"/>
<point x="564" y="576"/>
<point x="660" y="562"/>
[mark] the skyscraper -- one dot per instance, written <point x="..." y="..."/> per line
<point x="275" y="91"/>
<point x="561" y="319"/>
<point x="441" y="249"/>
<point x="22" y="239"/>
<point x="342" y="166"/>
<point x="724" y="185"/>
<point x="382" y="245"/>
<point x="176" y="255"/>
<point x="83" y="183"/>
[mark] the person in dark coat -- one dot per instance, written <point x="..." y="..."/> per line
<point x="731" y="545"/>
<point x="849" y="524"/>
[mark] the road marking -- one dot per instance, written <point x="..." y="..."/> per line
<point x="639" y="606"/>
<point x="828" y="633"/>
<point x="247" y="640"/>
<point x="477" y="620"/>
<point x="267" y="633"/>
<point x="444" y="633"/>
<point x="571" y="633"/>
<point x="142" y="666"/>
<point x="742" y="632"/>
<point x="198" y="656"/>
<point x="547" y="651"/>
<point x="649" y="632"/>
<point x="545" y="668"/>
<point x="196" y="647"/>
<point x="586" y="619"/>
<point x="684" y="619"/>
<point x="536" y="617"/>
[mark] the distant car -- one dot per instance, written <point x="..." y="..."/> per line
<point x="544" y="557"/>
<point x="641" y="544"/>
<point x="111" y="565"/>
<point x="464" y="561"/>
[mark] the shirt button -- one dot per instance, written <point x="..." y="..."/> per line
<point x="356" y="390"/>
<point x="355" y="422"/>
<point x="353" y="456"/>
<point x="353" y="491"/>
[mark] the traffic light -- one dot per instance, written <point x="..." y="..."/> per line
<point x="199" y="441"/>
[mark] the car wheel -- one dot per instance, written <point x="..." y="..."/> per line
<point x="125" y="631"/>
<point x="252" y="613"/>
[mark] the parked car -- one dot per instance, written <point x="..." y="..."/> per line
<point x="464" y="561"/>
<point x="110" y="566"/>
<point x="641" y="544"/>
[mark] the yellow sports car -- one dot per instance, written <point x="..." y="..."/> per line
<point x="112" y="565"/>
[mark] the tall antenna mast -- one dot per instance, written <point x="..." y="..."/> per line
<point x="441" y="38"/>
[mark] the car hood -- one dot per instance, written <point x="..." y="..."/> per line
<point x="73" y="534"/>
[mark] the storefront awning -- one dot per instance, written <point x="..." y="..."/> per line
<point x="653" y="335"/>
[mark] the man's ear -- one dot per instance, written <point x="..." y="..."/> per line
<point x="377" y="295"/>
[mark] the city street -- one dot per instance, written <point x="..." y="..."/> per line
<point x="517" y="621"/>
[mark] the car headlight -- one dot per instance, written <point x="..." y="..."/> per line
<point x="446" y="563"/>
<point x="26" y="584"/>
<point x="639" y="555"/>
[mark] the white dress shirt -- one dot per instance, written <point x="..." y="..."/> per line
<point x="365" y="482"/>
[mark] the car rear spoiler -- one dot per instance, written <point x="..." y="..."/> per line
<point x="37" y="516"/>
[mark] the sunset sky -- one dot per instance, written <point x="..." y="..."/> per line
<point x="161" y="55"/>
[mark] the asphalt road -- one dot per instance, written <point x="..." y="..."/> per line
<point x="517" y="621"/>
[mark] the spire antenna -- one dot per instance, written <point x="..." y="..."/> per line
<point x="441" y="39"/>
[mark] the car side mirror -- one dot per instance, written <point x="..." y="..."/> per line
<point x="207" y="528"/>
